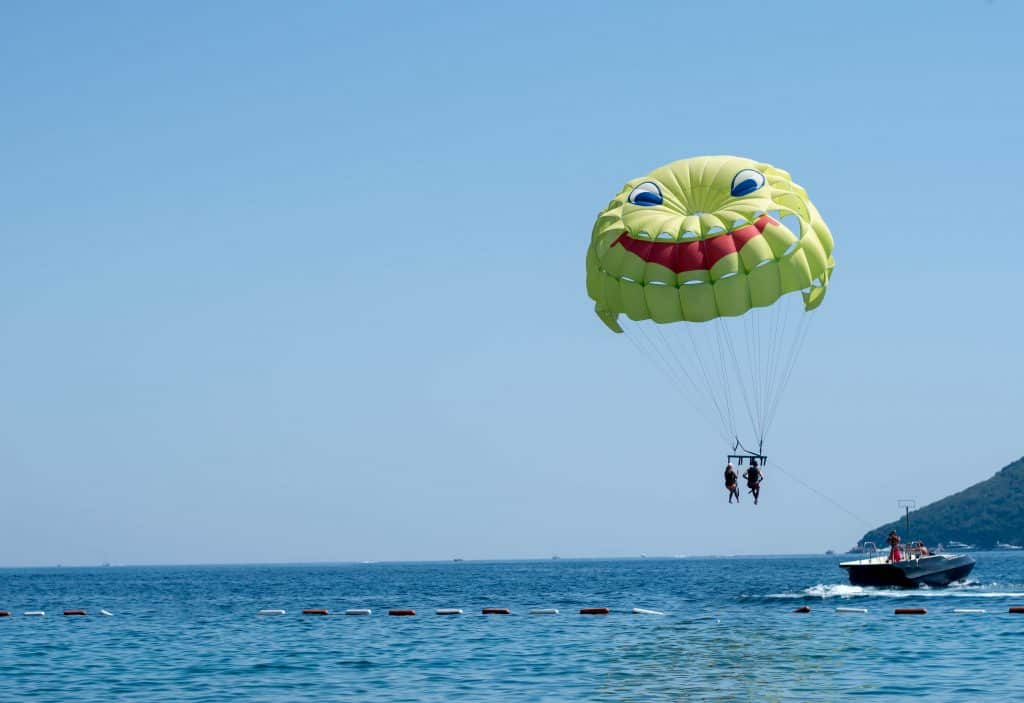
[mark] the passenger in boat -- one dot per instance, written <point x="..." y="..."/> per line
<point x="731" y="479"/>
<point x="754" y="478"/>
<point x="894" y="546"/>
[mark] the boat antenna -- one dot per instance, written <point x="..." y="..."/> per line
<point x="907" y="506"/>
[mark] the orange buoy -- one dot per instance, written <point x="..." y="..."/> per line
<point x="401" y="612"/>
<point x="315" y="611"/>
<point x="1016" y="609"/>
<point x="74" y="612"/>
<point x="496" y="611"/>
<point x="803" y="609"/>
<point x="4" y="614"/>
<point x="911" y="611"/>
<point x="594" y="611"/>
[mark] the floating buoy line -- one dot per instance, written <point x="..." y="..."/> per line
<point x="409" y="612"/>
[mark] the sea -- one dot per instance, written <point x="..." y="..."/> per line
<point x="727" y="632"/>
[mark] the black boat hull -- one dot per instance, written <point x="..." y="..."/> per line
<point x="935" y="571"/>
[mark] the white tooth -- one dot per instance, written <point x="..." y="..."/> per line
<point x="736" y="224"/>
<point x="665" y="236"/>
<point x="689" y="234"/>
<point x="715" y="230"/>
<point x="643" y="235"/>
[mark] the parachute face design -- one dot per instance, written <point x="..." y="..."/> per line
<point x="696" y="240"/>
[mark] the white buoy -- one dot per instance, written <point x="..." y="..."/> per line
<point x="645" y="611"/>
<point x="544" y="611"/>
<point x="271" y="611"/>
<point x="449" y="611"/>
<point x="969" y="610"/>
<point x="358" y="611"/>
<point x="106" y="613"/>
<point x="34" y="613"/>
<point x="851" y="610"/>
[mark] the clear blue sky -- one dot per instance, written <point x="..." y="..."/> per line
<point x="304" y="281"/>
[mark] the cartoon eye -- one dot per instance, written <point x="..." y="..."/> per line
<point x="646" y="194"/>
<point x="746" y="182"/>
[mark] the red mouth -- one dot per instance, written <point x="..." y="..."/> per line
<point x="700" y="255"/>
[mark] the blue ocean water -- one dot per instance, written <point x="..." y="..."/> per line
<point x="729" y="633"/>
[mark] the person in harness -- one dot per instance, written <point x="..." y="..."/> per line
<point x="731" y="479"/>
<point x="754" y="478"/>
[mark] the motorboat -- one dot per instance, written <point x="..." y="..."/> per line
<point x="953" y="544"/>
<point x="1004" y="545"/>
<point x="916" y="567"/>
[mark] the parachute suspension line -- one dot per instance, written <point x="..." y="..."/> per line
<point x="753" y="365"/>
<point x="818" y="493"/>
<point x="771" y="332"/>
<point x="803" y="327"/>
<point x="651" y="352"/>
<point x="738" y="370"/>
<point x="726" y="376"/>
<point x="707" y="378"/>
<point x="789" y="364"/>
<point x="775" y="349"/>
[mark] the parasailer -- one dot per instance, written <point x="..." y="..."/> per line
<point x="700" y="256"/>
<point x="731" y="481"/>
<point x="754" y="477"/>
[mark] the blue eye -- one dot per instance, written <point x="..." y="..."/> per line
<point x="646" y="194"/>
<point x="746" y="182"/>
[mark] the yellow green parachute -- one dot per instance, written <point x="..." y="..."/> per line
<point x="703" y="241"/>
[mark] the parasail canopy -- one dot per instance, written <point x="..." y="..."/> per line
<point x="695" y="262"/>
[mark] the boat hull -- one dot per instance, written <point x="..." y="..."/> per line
<point x="934" y="571"/>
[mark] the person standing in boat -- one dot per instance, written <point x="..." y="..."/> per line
<point x="754" y="478"/>
<point x="894" y="546"/>
<point x="731" y="479"/>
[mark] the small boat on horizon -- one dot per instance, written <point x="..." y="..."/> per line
<point x="953" y="544"/>
<point x="1004" y="545"/>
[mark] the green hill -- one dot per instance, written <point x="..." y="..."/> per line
<point x="987" y="512"/>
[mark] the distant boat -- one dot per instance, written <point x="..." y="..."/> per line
<point x="953" y="544"/>
<point x="556" y="557"/>
<point x="1004" y="545"/>
<point x="830" y="552"/>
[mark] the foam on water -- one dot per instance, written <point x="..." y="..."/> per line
<point x="968" y="589"/>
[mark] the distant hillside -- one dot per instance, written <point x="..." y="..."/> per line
<point x="987" y="512"/>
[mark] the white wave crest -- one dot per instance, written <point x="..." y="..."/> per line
<point x="970" y="589"/>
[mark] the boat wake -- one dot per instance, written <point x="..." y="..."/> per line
<point x="966" y="589"/>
